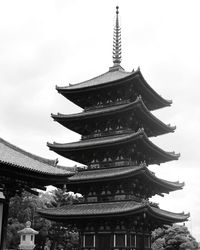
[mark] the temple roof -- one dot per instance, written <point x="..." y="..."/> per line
<point x="115" y="78"/>
<point x="23" y="165"/>
<point x="107" y="77"/>
<point x="75" y="148"/>
<point x="101" y="175"/>
<point x="75" y="121"/>
<point x="111" y="209"/>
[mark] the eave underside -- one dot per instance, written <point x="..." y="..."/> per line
<point x="10" y="173"/>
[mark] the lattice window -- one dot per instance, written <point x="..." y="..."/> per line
<point x="120" y="240"/>
<point x="89" y="240"/>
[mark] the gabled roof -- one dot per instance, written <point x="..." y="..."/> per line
<point x="115" y="79"/>
<point x="74" y="149"/>
<point x="111" y="210"/>
<point x="110" y="174"/>
<point x="22" y="165"/>
<point x="76" y="122"/>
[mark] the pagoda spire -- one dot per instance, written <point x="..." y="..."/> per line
<point x="117" y="40"/>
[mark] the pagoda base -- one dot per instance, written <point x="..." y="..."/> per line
<point x="115" y="241"/>
<point x="114" y="234"/>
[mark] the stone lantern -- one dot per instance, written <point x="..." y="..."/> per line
<point x="27" y="237"/>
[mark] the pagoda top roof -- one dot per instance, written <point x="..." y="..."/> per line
<point x="23" y="161"/>
<point x="100" y="175"/>
<point x="111" y="209"/>
<point x="114" y="78"/>
<point x="107" y="77"/>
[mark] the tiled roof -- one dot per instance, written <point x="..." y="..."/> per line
<point x="118" y="208"/>
<point x="18" y="158"/>
<point x="111" y="140"/>
<point x="109" y="76"/>
<point x="95" y="175"/>
<point x="94" y="142"/>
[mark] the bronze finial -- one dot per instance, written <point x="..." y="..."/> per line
<point x="117" y="41"/>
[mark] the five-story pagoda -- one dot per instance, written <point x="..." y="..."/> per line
<point x="115" y="125"/>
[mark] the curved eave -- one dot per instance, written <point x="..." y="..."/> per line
<point x="18" y="172"/>
<point x="168" y="216"/>
<point x="91" y="145"/>
<point x="72" y="121"/>
<point x="112" y="210"/>
<point x="158" y="97"/>
<point x="71" y="92"/>
<point x="102" y="175"/>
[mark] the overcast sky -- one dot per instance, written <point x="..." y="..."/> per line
<point x="48" y="43"/>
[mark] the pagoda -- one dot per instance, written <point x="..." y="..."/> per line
<point x="116" y="184"/>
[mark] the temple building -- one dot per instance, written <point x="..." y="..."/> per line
<point x="22" y="171"/>
<point x="115" y="124"/>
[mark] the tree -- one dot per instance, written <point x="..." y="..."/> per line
<point x="64" y="236"/>
<point x="61" y="197"/>
<point x="174" y="237"/>
<point x="12" y="239"/>
<point x="22" y="209"/>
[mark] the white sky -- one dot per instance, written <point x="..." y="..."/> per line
<point x="44" y="43"/>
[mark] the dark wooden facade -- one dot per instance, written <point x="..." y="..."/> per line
<point x="116" y="185"/>
<point x="21" y="170"/>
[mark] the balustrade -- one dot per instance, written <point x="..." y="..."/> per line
<point x="105" y="105"/>
<point x="107" y="164"/>
<point x="108" y="133"/>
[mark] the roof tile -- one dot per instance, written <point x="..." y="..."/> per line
<point x="12" y="155"/>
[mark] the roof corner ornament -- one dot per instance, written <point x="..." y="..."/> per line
<point x="117" y="40"/>
<point x="55" y="162"/>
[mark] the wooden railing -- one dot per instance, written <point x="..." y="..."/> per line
<point x="107" y="133"/>
<point x="120" y="163"/>
<point x="105" y="105"/>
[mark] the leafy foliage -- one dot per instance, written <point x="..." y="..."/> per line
<point x="62" y="197"/>
<point x="62" y="236"/>
<point x="176" y="237"/>
<point x="24" y="208"/>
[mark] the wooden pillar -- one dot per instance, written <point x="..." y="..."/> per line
<point x="5" y="212"/>
<point x="8" y="192"/>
